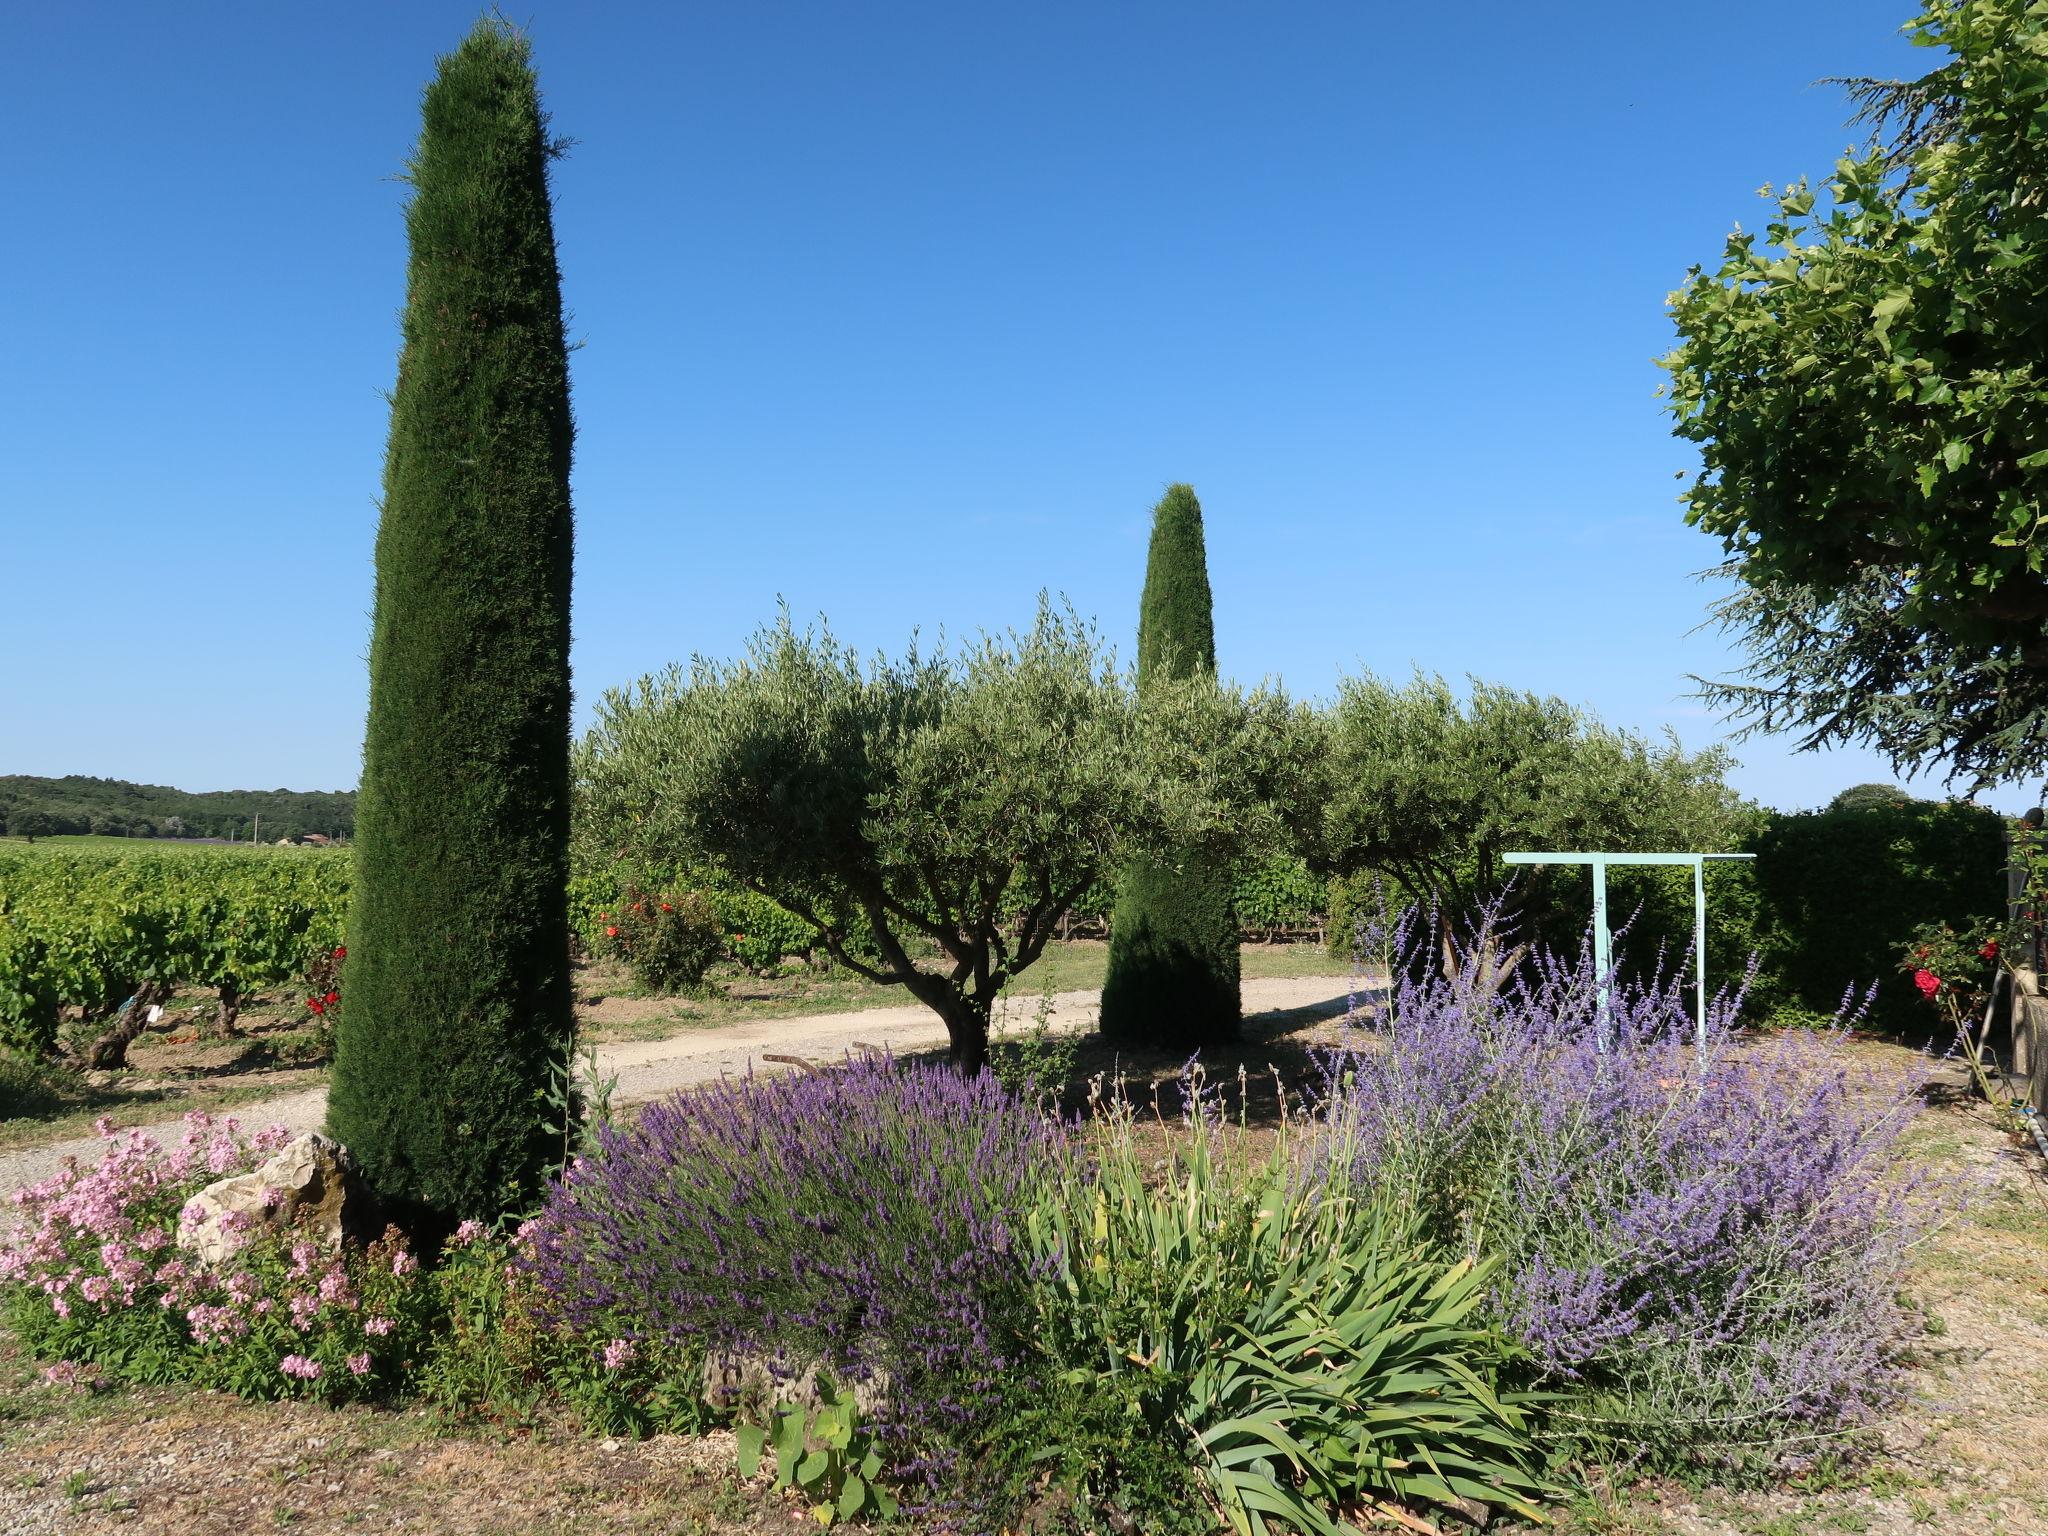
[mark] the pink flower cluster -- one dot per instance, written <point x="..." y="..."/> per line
<point x="91" y="1243"/>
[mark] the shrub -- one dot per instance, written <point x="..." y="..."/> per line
<point x="1840" y="890"/>
<point x="668" y="941"/>
<point x="1702" y="1245"/>
<point x="857" y="1220"/>
<point x="31" y="1088"/>
<point x="90" y="1274"/>
<point x="1288" y="1345"/>
<point x="498" y="1356"/>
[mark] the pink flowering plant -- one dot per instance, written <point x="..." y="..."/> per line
<point x="92" y="1273"/>
<point x="499" y="1355"/>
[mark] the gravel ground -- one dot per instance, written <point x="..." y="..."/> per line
<point x="649" y="1069"/>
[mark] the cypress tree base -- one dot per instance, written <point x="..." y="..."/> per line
<point x="1173" y="968"/>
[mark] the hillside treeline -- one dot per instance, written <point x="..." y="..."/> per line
<point x="76" y="806"/>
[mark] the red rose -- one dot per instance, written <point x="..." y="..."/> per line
<point x="1990" y="950"/>
<point x="611" y="933"/>
<point x="332" y="996"/>
<point x="666" y="907"/>
<point x="341" y="951"/>
<point x="1927" y="982"/>
<point x="316" y="1005"/>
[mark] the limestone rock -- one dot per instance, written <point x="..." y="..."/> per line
<point x="309" y="1184"/>
<point x="752" y="1383"/>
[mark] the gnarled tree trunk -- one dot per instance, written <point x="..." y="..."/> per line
<point x="110" y="1049"/>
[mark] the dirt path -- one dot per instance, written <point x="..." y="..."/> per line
<point x="648" y="1069"/>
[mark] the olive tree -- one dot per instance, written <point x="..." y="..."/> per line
<point x="1429" y="790"/>
<point x="932" y="816"/>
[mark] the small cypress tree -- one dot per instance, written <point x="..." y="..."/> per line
<point x="456" y="990"/>
<point x="1173" y="966"/>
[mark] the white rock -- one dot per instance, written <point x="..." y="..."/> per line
<point x="315" y="1189"/>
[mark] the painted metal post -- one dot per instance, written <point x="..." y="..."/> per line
<point x="1603" y="941"/>
<point x="1699" y="954"/>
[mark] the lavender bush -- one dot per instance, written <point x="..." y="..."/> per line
<point x="1702" y="1246"/>
<point x="857" y="1220"/>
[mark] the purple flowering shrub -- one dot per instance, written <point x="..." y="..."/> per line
<point x="1700" y="1245"/>
<point x="858" y="1220"/>
<point x="91" y="1276"/>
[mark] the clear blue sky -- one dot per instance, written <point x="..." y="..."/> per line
<point x="901" y="313"/>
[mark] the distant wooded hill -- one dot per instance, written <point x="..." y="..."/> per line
<point x="37" y="807"/>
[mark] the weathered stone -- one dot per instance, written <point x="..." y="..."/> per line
<point x="753" y="1383"/>
<point x="309" y="1184"/>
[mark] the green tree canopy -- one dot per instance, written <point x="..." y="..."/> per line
<point x="953" y="804"/>
<point x="1865" y="382"/>
<point x="1429" y="790"/>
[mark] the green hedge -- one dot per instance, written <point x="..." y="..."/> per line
<point x="1824" y="907"/>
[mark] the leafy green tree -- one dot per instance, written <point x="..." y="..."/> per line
<point x="457" y="976"/>
<point x="31" y="824"/>
<point x="1870" y="797"/>
<point x="1866" y="385"/>
<point x="932" y="817"/>
<point x="1426" y="791"/>
<point x="1172" y="982"/>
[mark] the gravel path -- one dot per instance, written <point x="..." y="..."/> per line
<point x="648" y="1069"/>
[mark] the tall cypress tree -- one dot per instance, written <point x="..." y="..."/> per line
<point x="1173" y="969"/>
<point x="456" y="990"/>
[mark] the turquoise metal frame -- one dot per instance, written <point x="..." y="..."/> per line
<point x="1603" y="941"/>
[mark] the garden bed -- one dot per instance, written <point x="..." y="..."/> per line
<point x="1962" y="1454"/>
<point x="1536" y="1240"/>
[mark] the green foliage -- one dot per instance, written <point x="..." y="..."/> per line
<point x="823" y="1454"/>
<point x="1863" y="797"/>
<point x="1837" y="892"/>
<point x="956" y="803"/>
<point x="1864" y="381"/>
<point x="668" y="941"/>
<point x="1034" y="1061"/>
<point x="458" y="971"/>
<point x="79" y="931"/>
<point x="1172" y="982"/>
<point x="1953" y="969"/>
<point x="1427" y="791"/>
<point x="1291" y="1341"/>
<point x="495" y="1356"/>
<point x="77" y="805"/>
<point x="34" y="1089"/>
<point x="1176" y="613"/>
<point x="1278" y="896"/>
<point x="754" y="931"/>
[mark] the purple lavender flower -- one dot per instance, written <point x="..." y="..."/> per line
<point x="857" y="1219"/>
<point x="1709" y="1236"/>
